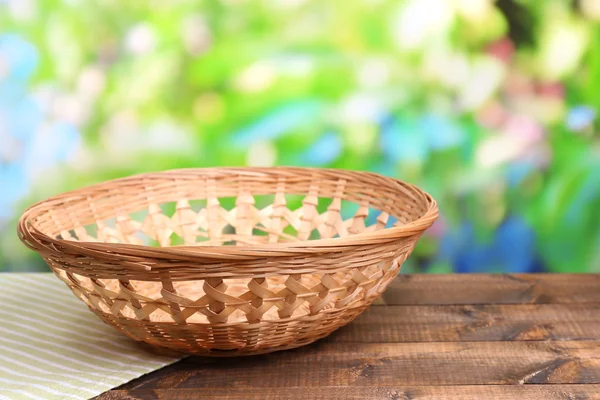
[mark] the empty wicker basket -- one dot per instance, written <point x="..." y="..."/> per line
<point x="230" y="261"/>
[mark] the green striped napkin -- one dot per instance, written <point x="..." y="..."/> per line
<point x="53" y="347"/>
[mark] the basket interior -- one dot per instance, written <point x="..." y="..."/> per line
<point x="214" y="212"/>
<point x="193" y="223"/>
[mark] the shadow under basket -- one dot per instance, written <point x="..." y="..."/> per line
<point x="230" y="261"/>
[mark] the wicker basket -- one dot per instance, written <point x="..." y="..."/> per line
<point x="148" y="253"/>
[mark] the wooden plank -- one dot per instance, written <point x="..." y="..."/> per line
<point x="478" y="392"/>
<point x="493" y="289"/>
<point x="576" y="321"/>
<point x="390" y="365"/>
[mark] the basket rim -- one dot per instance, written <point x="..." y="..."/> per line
<point x="33" y="238"/>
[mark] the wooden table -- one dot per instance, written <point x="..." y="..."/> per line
<point x="429" y="337"/>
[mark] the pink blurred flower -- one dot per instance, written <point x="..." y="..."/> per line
<point x="523" y="127"/>
<point x="438" y="229"/>
<point x="502" y="49"/>
<point x="492" y="115"/>
<point x="518" y="84"/>
<point x="551" y="89"/>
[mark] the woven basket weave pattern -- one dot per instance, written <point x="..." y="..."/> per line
<point x="243" y="279"/>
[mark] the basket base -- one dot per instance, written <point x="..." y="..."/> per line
<point x="216" y="353"/>
<point x="232" y="340"/>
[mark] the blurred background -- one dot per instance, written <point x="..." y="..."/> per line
<point x="491" y="106"/>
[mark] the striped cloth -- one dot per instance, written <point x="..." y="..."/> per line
<point x="53" y="347"/>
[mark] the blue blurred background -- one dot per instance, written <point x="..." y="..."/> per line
<point x="491" y="106"/>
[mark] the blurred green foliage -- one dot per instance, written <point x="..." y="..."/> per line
<point x="490" y="106"/>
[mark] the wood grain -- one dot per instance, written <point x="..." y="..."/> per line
<point x="493" y="289"/>
<point x="576" y="321"/>
<point x="474" y="392"/>
<point x="391" y="364"/>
